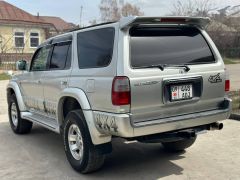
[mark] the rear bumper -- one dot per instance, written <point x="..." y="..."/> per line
<point x="122" y="126"/>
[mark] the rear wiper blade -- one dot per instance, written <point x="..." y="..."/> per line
<point x="160" y="66"/>
<point x="186" y="68"/>
<point x="163" y="66"/>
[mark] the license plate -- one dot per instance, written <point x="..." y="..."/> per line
<point x="181" y="92"/>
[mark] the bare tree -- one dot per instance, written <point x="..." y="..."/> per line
<point x="192" y="8"/>
<point x="4" y="44"/>
<point x="203" y="7"/>
<point x="4" y="48"/>
<point x="109" y="10"/>
<point x="131" y="10"/>
<point x="7" y="47"/>
<point x="113" y="10"/>
<point x="234" y="46"/>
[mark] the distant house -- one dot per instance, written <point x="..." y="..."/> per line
<point x="22" y="32"/>
<point x="60" y="26"/>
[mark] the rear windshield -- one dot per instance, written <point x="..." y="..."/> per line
<point x="158" y="45"/>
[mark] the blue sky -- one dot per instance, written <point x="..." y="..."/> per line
<point x="69" y="10"/>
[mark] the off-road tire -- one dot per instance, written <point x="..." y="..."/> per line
<point x="23" y="126"/>
<point x="91" y="159"/>
<point x="177" y="146"/>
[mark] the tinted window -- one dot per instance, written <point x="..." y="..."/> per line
<point x="152" y="46"/>
<point x="95" y="48"/>
<point x="39" y="62"/>
<point x="69" y="57"/>
<point x="60" y="57"/>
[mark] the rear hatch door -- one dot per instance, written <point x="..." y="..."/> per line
<point x="173" y="72"/>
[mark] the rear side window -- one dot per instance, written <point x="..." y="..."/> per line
<point x="158" y="45"/>
<point x="60" y="56"/>
<point x="95" y="48"/>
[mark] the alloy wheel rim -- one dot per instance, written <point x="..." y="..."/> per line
<point x="75" y="142"/>
<point x="14" y="114"/>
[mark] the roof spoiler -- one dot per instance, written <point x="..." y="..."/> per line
<point x="127" y="22"/>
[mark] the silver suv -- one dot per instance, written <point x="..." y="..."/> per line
<point x="150" y="79"/>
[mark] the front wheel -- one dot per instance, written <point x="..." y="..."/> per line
<point x="80" y="152"/>
<point x="176" y="146"/>
<point x="18" y="125"/>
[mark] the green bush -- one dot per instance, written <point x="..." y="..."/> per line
<point x="4" y="76"/>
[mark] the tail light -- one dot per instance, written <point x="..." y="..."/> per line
<point x="121" y="91"/>
<point x="177" y="20"/>
<point x="227" y="85"/>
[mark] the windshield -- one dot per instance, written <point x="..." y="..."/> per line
<point x="158" y="45"/>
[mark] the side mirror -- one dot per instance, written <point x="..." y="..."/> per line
<point x="21" y="65"/>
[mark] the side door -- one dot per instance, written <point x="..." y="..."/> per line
<point x="56" y="79"/>
<point x="31" y="82"/>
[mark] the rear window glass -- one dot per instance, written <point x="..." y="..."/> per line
<point x="60" y="58"/>
<point x="158" y="45"/>
<point x="95" y="48"/>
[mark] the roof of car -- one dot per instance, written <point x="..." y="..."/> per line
<point x="95" y="25"/>
<point x="136" y="20"/>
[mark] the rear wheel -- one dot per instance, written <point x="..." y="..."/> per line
<point x="18" y="125"/>
<point x="176" y="146"/>
<point x="80" y="152"/>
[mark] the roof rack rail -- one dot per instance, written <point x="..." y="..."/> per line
<point x="100" y="24"/>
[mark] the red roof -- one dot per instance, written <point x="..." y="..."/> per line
<point x="9" y="13"/>
<point x="59" y="23"/>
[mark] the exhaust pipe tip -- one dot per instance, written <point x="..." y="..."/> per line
<point x="215" y="126"/>
<point x="220" y="126"/>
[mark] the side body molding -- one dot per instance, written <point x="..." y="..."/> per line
<point x="80" y="96"/>
<point x="13" y="85"/>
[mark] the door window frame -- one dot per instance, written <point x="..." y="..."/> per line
<point x="53" y="42"/>
<point x="33" y="58"/>
<point x="51" y="54"/>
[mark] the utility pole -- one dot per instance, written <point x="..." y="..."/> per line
<point x="81" y="16"/>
